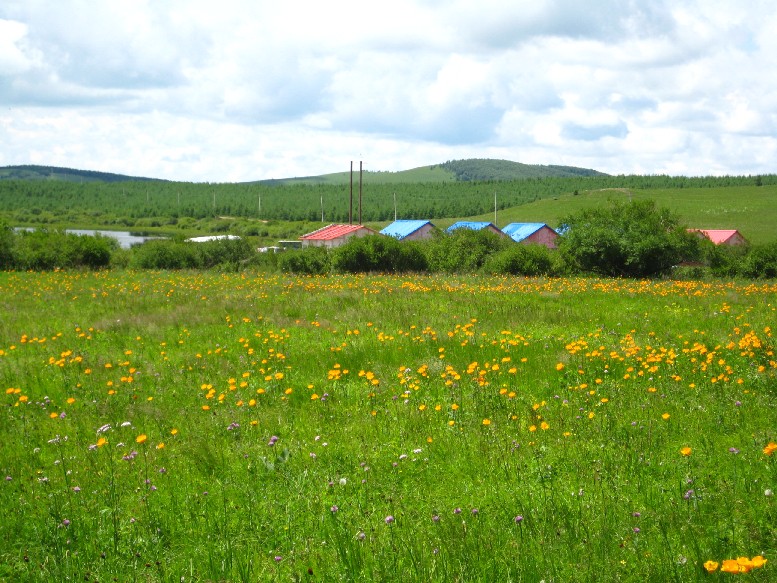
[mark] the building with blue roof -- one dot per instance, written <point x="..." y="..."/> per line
<point x="532" y="233"/>
<point x="409" y="230"/>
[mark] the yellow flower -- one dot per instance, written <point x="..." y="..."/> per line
<point x="486" y="421"/>
<point x="544" y="426"/>
<point x="560" y="366"/>
<point x="101" y="442"/>
<point x="141" y="438"/>
<point x="770" y="448"/>
<point x="665" y="416"/>
<point x="173" y="431"/>
<point x="711" y="566"/>
<point x="686" y="451"/>
<point x="160" y="445"/>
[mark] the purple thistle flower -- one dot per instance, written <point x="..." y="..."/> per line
<point x="635" y="529"/>
<point x="389" y="519"/>
<point x="66" y="522"/>
<point x="474" y="512"/>
<point x="278" y="558"/>
<point x="733" y="450"/>
<point x="688" y="495"/>
<point x="457" y="510"/>
<point x="334" y="508"/>
<point x="518" y="519"/>
<point x="435" y="518"/>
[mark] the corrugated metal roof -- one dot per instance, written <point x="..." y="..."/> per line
<point x="474" y="225"/>
<point x="403" y="228"/>
<point x="519" y="231"/>
<point x="332" y="232"/>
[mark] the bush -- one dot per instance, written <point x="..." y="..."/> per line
<point x="6" y="246"/>
<point x="310" y="261"/>
<point x="166" y="255"/>
<point x="521" y="259"/>
<point x="227" y="253"/>
<point x="761" y="261"/>
<point x="376" y="253"/>
<point x="463" y="251"/>
<point x="634" y="239"/>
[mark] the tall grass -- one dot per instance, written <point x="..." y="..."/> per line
<point x="206" y="427"/>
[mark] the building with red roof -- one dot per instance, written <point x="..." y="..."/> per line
<point x="721" y="236"/>
<point x="334" y="235"/>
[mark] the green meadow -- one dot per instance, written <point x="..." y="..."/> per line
<point x="182" y="426"/>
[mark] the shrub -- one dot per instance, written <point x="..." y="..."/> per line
<point x="310" y="261"/>
<point x="634" y="239"/>
<point x="377" y="253"/>
<point x="761" y="261"/>
<point x="463" y="251"/>
<point x="521" y="259"/>
<point x="165" y="255"/>
<point x="6" y="246"/>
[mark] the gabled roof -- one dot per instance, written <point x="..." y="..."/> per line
<point x="520" y="231"/>
<point x="332" y="232"/>
<point x="403" y="228"/>
<point x="718" y="236"/>
<point x="473" y="225"/>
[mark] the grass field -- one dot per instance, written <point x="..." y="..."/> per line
<point x="210" y="427"/>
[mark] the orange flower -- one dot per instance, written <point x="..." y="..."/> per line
<point x="560" y="366"/>
<point x="711" y="566"/>
<point x="686" y="451"/>
<point x="770" y="448"/>
<point x="141" y="438"/>
<point x="486" y="421"/>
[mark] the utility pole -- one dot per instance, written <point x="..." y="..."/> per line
<point x="360" y="192"/>
<point x="495" y="208"/>
<point x="395" y="207"/>
<point x="322" y="208"/>
<point x="350" y="207"/>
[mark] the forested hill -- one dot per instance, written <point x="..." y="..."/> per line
<point x="32" y="172"/>
<point x="472" y="170"/>
<point x="487" y="169"/>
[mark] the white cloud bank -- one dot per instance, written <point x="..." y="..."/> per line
<point x="241" y="90"/>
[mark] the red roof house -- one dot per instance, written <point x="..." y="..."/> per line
<point x="334" y="235"/>
<point x="722" y="236"/>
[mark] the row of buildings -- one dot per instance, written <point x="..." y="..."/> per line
<point x="414" y="230"/>
<point x="524" y="233"/>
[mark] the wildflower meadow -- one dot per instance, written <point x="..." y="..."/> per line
<point x="161" y="426"/>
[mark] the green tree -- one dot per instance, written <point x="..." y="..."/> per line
<point x="634" y="239"/>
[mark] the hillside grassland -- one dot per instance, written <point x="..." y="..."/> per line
<point x="750" y="209"/>
<point x="198" y="426"/>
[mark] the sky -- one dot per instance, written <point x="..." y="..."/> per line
<point x="241" y="90"/>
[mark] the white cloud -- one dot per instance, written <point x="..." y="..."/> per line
<point x="239" y="90"/>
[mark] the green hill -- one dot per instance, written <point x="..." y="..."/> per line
<point x="471" y="170"/>
<point x="31" y="172"/>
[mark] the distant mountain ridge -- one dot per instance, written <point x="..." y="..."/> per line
<point x="469" y="170"/>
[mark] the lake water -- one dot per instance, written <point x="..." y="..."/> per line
<point x="125" y="238"/>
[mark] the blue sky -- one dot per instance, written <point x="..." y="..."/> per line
<point x="241" y="90"/>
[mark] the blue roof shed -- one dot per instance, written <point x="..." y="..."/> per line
<point x="408" y="229"/>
